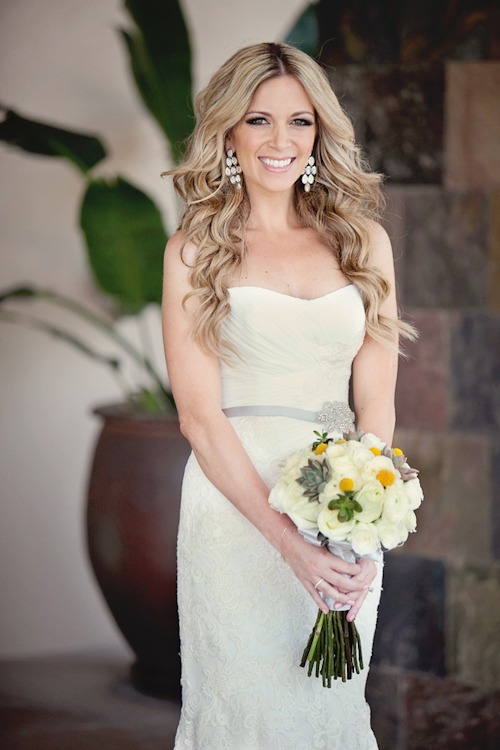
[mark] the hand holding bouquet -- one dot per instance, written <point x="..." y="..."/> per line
<point x="354" y="495"/>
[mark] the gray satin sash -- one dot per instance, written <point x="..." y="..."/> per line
<point x="271" y="411"/>
<point x="335" y="416"/>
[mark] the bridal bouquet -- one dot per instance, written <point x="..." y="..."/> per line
<point x="355" y="496"/>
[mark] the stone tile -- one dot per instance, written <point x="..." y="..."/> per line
<point x="472" y="107"/>
<point x="440" y="714"/>
<point x="397" y="111"/>
<point x="495" y="481"/>
<point x="382" y="697"/>
<point x="446" y="253"/>
<point x="410" y="629"/>
<point x="422" y="400"/>
<point x="494" y="251"/>
<point x="455" y="471"/>
<point x="475" y="372"/>
<point x="473" y="624"/>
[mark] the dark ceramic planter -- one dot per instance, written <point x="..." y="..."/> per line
<point x="132" y="519"/>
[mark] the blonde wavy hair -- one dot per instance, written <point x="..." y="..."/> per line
<point x="346" y="193"/>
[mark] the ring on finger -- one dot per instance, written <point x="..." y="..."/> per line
<point x="320" y="581"/>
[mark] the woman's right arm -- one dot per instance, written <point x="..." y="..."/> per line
<point x="195" y="380"/>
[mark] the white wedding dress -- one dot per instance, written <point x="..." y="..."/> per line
<point x="244" y="617"/>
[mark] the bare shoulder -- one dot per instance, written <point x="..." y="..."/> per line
<point x="178" y="251"/>
<point x="381" y="255"/>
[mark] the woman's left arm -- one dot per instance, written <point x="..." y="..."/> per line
<point x="374" y="375"/>
<point x="375" y="367"/>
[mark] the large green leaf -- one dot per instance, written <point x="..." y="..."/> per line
<point x="305" y="32"/>
<point x="125" y="240"/>
<point x="160" y="55"/>
<point x="85" y="151"/>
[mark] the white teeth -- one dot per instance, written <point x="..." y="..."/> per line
<point x="277" y="162"/>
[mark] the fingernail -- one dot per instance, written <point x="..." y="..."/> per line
<point x="337" y="605"/>
<point x="351" y="602"/>
<point x="365" y="587"/>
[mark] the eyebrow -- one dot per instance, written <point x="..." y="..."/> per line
<point x="268" y="114"/>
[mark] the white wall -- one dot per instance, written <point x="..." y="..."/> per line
<point x="63" y="61"/>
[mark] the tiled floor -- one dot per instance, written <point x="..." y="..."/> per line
<point x="80" y="702"/>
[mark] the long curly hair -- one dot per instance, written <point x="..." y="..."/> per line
<point x="345" y="195"/>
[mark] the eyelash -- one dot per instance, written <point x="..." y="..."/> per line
<point x="260" y="120"/>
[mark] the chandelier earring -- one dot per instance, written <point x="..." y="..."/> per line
<point x="233" y="169"/>
<point x="310" y="170"/>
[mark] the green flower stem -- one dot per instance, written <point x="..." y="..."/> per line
<point x="317" y="633"/>
<point x="352" y="628"/>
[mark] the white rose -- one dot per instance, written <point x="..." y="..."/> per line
<point x="331" y="527"/>
<point x="331" y="490"/>
<point x="359" y="453"/>
<point x="364" y="539"/>
<point x="391" y="534"/>
<point x="371" y="498"/>
<point x="396" y="504"/>
<point x="342" y="467"/>
<point x="372" y="441"/>
<point x="410" y="521"/>
<point x="288" y="498"/>
<point x="414" y="492"/>
<point x="335" y="449"/>
<point x="376" y="466"/>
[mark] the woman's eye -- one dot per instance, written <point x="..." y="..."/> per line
<point x="301" y="122"/>
<point x="256" y="121"/>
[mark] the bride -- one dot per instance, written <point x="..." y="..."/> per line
<point x="278" y="281"/>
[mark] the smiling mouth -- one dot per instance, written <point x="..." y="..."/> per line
<point x="276" y="163"/>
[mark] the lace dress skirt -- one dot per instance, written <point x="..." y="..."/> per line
<point x="245" y="620"/>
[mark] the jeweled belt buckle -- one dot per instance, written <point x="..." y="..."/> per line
<point x="336" y="416"/>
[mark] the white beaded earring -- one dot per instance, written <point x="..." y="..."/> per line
<point x="233" y="169"/>
<point x="308" y="174"/>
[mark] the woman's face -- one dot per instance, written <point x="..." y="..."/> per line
<point x="275" y="138"/>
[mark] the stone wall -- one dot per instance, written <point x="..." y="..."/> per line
<point x="434" y="130"/>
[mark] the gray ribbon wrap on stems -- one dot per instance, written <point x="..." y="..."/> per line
<point x="340" y="549"/>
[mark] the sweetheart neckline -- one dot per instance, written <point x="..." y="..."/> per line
<point x="291" y="296"/>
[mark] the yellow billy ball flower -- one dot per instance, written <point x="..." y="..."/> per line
<point x="376" y="451"/>
<point x="321" y="448"/>
<point x="385" y="477"/>
<point x="346" y="484"/>
<point x="338" y="442"/>
<point x="397" y="451"/>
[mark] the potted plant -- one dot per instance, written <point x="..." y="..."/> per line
<point x="134" y="487"/>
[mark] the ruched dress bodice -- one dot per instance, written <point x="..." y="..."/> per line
<point x="291" y="351"/>
<point x="244" y="616"/>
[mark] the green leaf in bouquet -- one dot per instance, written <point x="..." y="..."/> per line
<point x="346" y="506"/>
<point x="83" y="150"/>
<point x="125" y="241"/>
<point x="160" y="56"/>
<point x="314" y="478"/>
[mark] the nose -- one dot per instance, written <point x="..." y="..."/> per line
<point x="280" y="138"/>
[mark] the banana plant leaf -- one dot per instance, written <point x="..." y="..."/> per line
<point x="59" y="333"/>
<point x="85" y="151"/>
<point x="125" y="241"/>
<point x="160" y="57"/>
<point x="305" y="32"/>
